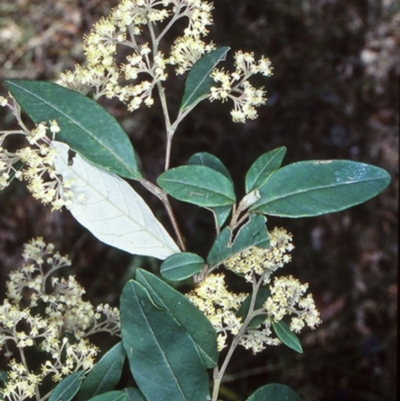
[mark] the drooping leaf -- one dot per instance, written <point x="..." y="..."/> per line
<point x="220" y="213"/>
<point x="185" y="314"/>
<point x="112" y="211"/>
<point x="263" y="167"/>
<point x="163" y="359"/>
<point x="67" y="388"/>
<point x="181" y="266"/>
<point x="312" y="188"/>
<point x="199" y="185"/>
<point x="198" y="82"/>
<point x="133" y="394"/>
<point x="105" y="375"/>
<point x="85" y="125"/>
<point x="253" y="233"/>
<point x="262" y="295"/>
<point x="274" y="392"/>
<point x="117" y="395"/>
<point x="287" y="337"/>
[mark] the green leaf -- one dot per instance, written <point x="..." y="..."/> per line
<point x="263" y="167"/>
<point x="185" y="314"/>
<point x="199" y="185"/>
<point x="262" y="295"/>
<point x="312" y="188"/>
<point x="198" y="83"/>
<point x="288" y="338"/>
<point x="117" y="395"/>
<point x="181" y="266"/>
<point x="274" y="392"/>
<point x="133" y="394"/>
<point x="85" y="125"/>
<point x="163" y="359"/>
<point x="67" y="388"/>
<point x="220" y="213"/>
<point x="211" y="161"/>
<point x="3" y="376"/>
<point x="253" y="233"/>
<point x="105" y="375"/>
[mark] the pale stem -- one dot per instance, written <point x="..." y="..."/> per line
<point x="157" y="191"/>
<point x="23" y="360"/>
<point x="219" y="373"/>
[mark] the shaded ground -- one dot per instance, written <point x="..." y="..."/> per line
<point x="334" y="94"/>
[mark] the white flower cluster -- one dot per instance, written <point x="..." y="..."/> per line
<point x="133" y="81"/>
<point x="48" y="322"/>
<point x="286" y="297"/>
<point x="219" y="305"/>
<point x="35" y="164"/>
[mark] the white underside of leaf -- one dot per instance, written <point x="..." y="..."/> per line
<point x="112" y="211"/>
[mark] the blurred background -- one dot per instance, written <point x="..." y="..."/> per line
<point x="333" y="95"/>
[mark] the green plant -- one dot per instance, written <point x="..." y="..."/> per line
<point x="170" y="340"/>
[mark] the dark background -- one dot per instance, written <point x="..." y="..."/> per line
<point x="333" y="95"/>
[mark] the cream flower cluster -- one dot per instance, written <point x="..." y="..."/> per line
<point x="219" y="305"/>
<point x="235" y="86"/>
<point x="34" y="164"/>
<point x="133" y="82"/>
<point x="64" y="314"/>
<point x="263" y="262"/>
<point x="286" y="297"/>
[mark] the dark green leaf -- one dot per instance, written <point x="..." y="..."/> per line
<point x="253" y="233"/>
<point x="85" y="126"/>
<point x="211" y="161"/>
<point x="263" y="167"/>
<point x="312" y="188"/>
<point x="185" y="314"/>
<point x="163" y="359"/>
<point x="110" y="396"/>
<point x="221" y="213"/>
<point x="3" y="376"/>
<point x="181" y="266"/>
<point x="286" y="336"/>
<point x="133" y="394"/>
<point x="199" y="185"/>
<point x="274" y="392"/>
<point x="105" y="375"/>
<point x="67" y="388"/>
<point x="198" y="83"/>
<point x="262" y="295"/>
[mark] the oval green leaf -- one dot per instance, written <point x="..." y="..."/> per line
<point x="312" y="188"/>
<point x="263" y="167"/>
<point x="274" y="392"/>
<point x="221" y="213"/>
<point x="253" y="233"/>
<point x="133" y="394"/>
<point x="287" y="337"/>
<point x="105" y="375"/>
<point x="117" y="395"/>
<point x="199" y="185"/>
<point x="185" y="314"/>
<point x="85" y="125"/>
<point x="181" y="266"/>
<point x="163" y="359"/>
<point x="198" y="82"/>
<point x="67" y="388"/>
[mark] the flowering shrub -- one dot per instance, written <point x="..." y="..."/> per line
<point x="78" y="157"/>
